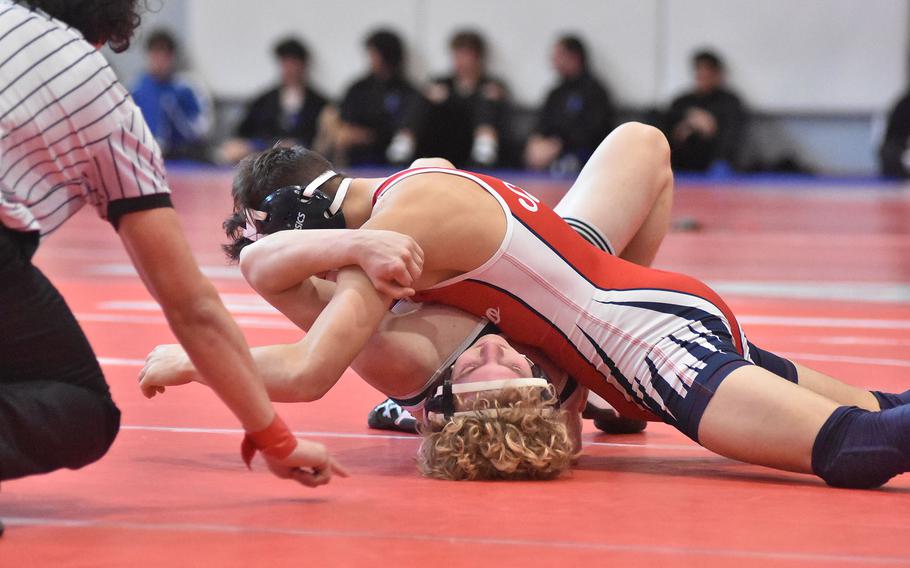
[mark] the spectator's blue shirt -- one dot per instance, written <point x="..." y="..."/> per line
<point x="174" y="112"/>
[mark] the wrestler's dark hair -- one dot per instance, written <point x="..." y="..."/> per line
<point x="100" y="21"/>
<point x="574" y="45"/>
<point x="389" y="47"/>
<point x="260" y="174"/>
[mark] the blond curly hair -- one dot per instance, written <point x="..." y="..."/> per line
<point x="513" y="433"/>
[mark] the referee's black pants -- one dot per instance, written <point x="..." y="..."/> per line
<point x="55" y="407"/>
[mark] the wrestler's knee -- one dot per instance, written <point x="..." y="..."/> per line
<point x="432" y="163"/>
<point x="645" y="137"/>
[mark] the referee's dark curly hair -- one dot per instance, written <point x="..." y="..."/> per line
<point x="100" y="21"/>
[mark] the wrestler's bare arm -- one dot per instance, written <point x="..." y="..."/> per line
<point x="405" y="350"/>
<point x="357" y="308"/>
<point x="279" y="267"/>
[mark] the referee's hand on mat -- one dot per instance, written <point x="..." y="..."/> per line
<point x="165" y="366"/>
<point x="309" y="464"/>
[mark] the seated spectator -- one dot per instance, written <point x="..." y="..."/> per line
<point x="290" y="112"/>
<point x="375" y="106"/>
<point x="460" y="116"/>
<point x="705" y="126"/>
<point x="576" y="116"/>
<point x="177" y="111"/>
<point x="894" y="154"/>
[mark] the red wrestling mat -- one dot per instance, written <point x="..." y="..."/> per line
<point x="173" y="491"/>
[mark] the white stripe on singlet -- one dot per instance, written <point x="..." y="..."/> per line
<point x="413" y="402"/>
<point x="70" y="133"/>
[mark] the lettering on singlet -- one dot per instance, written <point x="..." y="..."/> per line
<point x="527" y="200"/>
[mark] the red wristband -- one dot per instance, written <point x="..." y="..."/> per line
<point x="275" y="441"/>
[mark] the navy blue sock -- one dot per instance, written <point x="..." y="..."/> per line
<point x="887" y="400"/>
<point x="860" y="449"/>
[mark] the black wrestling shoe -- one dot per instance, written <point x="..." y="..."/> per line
<point x="1" y="528"/>
<point x="607" y="420"/>
<point x="389" y="416"/>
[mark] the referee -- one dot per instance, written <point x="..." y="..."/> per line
<point x="70" y="135"/>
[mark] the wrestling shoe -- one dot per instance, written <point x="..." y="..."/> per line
<point x="609" y="421"/>
<point x="388" y="415"/>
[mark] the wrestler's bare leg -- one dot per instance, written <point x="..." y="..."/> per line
<point x="626" y="191"/>
<point x="758" y="417"/>
<point x="829" y="387"/>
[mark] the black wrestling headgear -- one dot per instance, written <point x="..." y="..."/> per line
<point x="297" y="207"/>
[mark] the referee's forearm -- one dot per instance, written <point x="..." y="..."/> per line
<point x="197" y="317"/>
<point x="221" y="356"/>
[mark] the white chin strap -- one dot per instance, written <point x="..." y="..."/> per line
<point x="340" y="195"/>
<point x="320" y="180"/>
<point x="311" y="187"/>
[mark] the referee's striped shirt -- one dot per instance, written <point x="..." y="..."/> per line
<point x="69" y="132"/>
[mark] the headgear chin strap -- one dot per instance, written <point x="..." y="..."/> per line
<point x="296" y="207"/>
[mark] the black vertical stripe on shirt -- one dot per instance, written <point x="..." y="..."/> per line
<point x="101" y="178"/>
<point x="159" y="167"/>
<point x="150" y="160"/>
<point x="115" y="163"/>
<point x="133" y="161"/>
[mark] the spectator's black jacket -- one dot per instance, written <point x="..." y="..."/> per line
<point x="446" y="129"/>
<point x="381" y="106"/>
<point x="579" y="112"/>
<point x="730" y="114"/>
<point x="897" y="139"/>
<point x="264" y="121"/>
